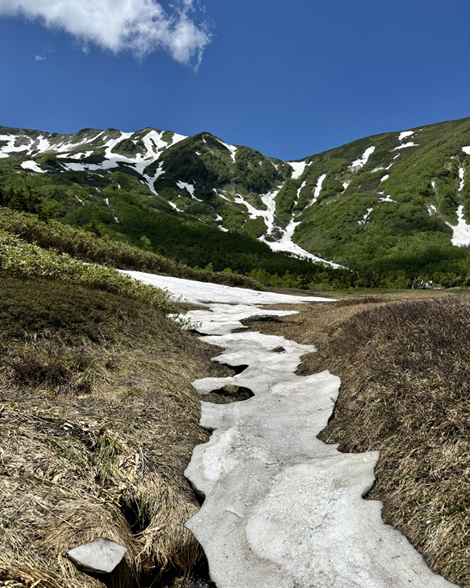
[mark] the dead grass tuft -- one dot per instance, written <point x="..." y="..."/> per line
<point x="405" y="390"/>
<point x="102" y="460"/>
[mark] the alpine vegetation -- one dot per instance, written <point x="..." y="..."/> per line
<point x="380" y="211"/>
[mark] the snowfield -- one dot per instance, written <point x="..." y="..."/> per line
<point x="281" y="508"/>
<point x="204" y="293"/>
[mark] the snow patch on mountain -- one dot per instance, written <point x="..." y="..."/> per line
<point x="269" y="200"/>
<point x="300" y="190"/>
<point x="231" y="148"/>
<point x="385" y="178"/>
<point x="317" y="190"/>
<point x="461" y="232"/>
<point x="405" y="146"/>
<point x="387" y="198"/>
<point x="361" y="162"/>
<point x="405" y="134"/>
<point x="365" y="218"/>
<point x="464" y="149"/>
<point x="219" y="219"/>
<point x="432" y="209"/>
<point x="32" y="166"/>
<point x="10" y="146"/>
<point x="173" y="205"/>
<point x="298" y="167"/>
<point x="462" y="178"/>
<point x="154" y="143"/>
<point x="285" y="244"/>
<point x="106" y="201"/>
<point x="190" y="188"/>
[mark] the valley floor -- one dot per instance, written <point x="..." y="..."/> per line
<point x="97" y="441"/>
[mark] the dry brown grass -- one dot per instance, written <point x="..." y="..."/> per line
<point x="103" y="460"/>
<point x="404" y="364"/>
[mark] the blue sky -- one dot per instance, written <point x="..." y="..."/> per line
<point x="289" y="78"/>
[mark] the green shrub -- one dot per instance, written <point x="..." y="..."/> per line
<point x="30" y="260"/>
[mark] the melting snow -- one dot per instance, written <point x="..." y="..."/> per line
<point x="405" y="146"/>
<point x="298" y="167"/>
<point x="174" y="206"/>
<point x="154" y="143"/>
<point x="207" y="292"/>
<point x="405" y="134"/>
<point x="177" y="138"/>
<point x="365" y="217"/>
<point x="286" y="244"/>
<point x="385" y="178"/>
<point x="464" y="149"/>
<point x="218" y="220"/>
<point x="221" y="194"/>
<point x="231" y="148"/>
<point x="387" y="198"/>
<point x="300" y="190"/>
<point x="106" y="201"/>
<point x="461" y="236"/>
<point x="80" y="200"/>
<point x="188" y="187"/>
<point x="160" y="171"/>
<point x="10" y="147"/>
<point x="345" y="185"/>
<point x="355" y="165"/>
<point x="268" y="215"/>
<point x="462" y="178"/>
<point x="432" y="209"/>
<point x="32" y="166"/>
<point x="318" y="188"/>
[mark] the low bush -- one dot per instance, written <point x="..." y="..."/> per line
<point x="30" y="260"/>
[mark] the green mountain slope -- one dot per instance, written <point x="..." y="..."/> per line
<point x="396" y="202"/>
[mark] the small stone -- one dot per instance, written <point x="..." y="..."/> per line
<point x="101" y="556"/>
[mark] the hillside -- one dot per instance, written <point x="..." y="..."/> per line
<point x="393" y="203"/>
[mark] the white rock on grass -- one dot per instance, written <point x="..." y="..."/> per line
<point x="101" y="556"/>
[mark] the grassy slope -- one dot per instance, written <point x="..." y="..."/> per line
<point x="89" y="247"/>
<point x="98" y="421"/>
<point x="399" y="235"/>
<point x="404" y="370"/>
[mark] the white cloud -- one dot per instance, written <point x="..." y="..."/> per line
<point x="138" y="26"/>
<point x="39" y="58"/>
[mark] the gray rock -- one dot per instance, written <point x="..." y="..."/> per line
<point x="101" y="556"/>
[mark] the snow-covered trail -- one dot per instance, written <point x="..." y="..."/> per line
<point x="282" y="509"/>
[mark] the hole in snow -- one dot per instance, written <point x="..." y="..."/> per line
<point x="228" y="394"/>
<point x="237" y="369"/>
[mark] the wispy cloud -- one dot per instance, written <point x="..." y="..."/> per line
<point x="136" y="26"/>
<point x="39" y="58"/>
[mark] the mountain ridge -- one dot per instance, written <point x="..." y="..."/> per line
<point x="378" y="202"/>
